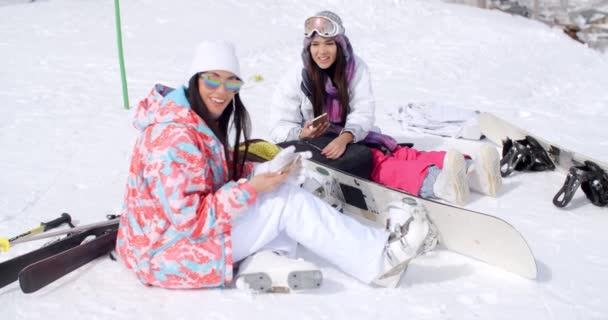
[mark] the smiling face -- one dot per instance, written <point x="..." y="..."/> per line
<point x="323" y="51"/>
<point x="216" y="98"/>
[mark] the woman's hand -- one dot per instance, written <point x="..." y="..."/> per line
<point x="308" y="131"/>
<point x="266" y="182"/>
<point x="335" y="149"/>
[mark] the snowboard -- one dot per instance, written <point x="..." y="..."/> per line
<point x="473" y="234"/>
<point x="497" y="130"/>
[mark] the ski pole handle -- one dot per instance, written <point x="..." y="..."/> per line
<point x="65" y="218"/>
<point x="5" y="243"/>
<point x="77" y="229"/>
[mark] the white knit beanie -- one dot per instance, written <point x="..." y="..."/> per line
<point x="214" y="55"/>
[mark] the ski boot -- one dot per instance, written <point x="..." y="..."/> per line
<point x="268" y="271"/>
<point x="524" y="155"/>
<point x="412" y="234"/>
<point x="483" y="175"/>
<point x="591" y="178"/>
<point x="452" y="184"/>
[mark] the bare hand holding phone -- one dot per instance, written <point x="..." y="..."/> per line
<point x="316" y="122"/>
<point x="290" y="166"/>
<point x="315" y="127"/>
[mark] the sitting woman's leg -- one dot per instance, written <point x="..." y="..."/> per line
<point x="354" y="248"/>
<point x="356" y="160"/>
<point x="369" y="254"/>
<point x="440" y="174"/>
<point x="406" y="169"/>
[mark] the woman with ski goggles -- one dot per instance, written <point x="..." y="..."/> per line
<point x="329" y="72"/>
<point x="332" y="80"/>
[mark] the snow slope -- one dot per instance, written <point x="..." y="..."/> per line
<point x="66" y="141"/>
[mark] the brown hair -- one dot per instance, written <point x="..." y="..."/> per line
<point x="336" y="74"/>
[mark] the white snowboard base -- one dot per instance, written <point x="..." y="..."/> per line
<point x="473" y="234"/>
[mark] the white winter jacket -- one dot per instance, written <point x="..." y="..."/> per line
<point x="291" y="108"/>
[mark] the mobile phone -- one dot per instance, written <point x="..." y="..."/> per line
<point x="290" y="165"/>
<point x="319" y="120"/>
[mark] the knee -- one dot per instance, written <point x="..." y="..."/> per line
<point x="293" y="195"/>
<point x="288" y="190"/>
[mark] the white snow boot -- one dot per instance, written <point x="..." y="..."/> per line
<point x="267" y="271"/>
<point x="451" y="184"/>
<point x="484" y="174"/>
<point x="412" y="234"/>
<point x="323" y="186"/>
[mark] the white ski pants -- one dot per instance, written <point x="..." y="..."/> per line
<point x="290" y="212"/>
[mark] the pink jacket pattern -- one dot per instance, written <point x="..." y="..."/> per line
<point x="179" y="205"/>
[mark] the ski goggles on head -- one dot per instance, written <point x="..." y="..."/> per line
<point x="325" y="27"/>
<point x="213" y="81"/>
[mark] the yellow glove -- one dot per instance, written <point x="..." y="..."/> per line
<point x="260" y="150"/>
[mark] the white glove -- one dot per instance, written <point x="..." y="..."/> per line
<point x="297" y="175"/>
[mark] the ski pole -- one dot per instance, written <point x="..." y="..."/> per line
<point x="5" y="243"/>
<point x="114" y="219"/>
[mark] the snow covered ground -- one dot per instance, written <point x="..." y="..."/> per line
<point x="65" y="142"/>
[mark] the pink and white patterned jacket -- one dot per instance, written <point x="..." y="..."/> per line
<point x="179" y="205"/>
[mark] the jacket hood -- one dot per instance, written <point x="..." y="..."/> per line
<point x="166" y="105"/>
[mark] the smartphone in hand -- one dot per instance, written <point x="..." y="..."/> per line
<point x="316" y="122"/>
<point x="290" y="166"/>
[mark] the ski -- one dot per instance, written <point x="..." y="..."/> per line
<point x="10" y="269"/>
<point x="473" y="234"/>
<point x="499" y="130"/>
<point x="41" y="273"/>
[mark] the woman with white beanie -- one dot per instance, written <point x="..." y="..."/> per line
<point x="194" y="207"/>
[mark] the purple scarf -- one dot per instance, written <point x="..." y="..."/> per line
<point x="332" y="103"/>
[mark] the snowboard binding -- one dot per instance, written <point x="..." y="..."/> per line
<point x="591" y="178"/>
<point x="323" y="186"/>
<point x="524" y="155"/>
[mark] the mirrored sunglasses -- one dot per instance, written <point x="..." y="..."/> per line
<point x="214" y="82"/>
<point x="321" y="25"/>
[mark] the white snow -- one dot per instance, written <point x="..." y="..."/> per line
<point x="65" y="142"/>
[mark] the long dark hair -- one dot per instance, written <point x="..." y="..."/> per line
<point x="337" y="74"/>
<point x="220" y="127"/>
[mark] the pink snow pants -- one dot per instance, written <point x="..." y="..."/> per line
<point x="406" y="168"/>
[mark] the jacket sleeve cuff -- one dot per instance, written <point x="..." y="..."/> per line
<point x="356" y="131"/>
<point x="248" y="188"/>
<point x="294" y="134"/>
